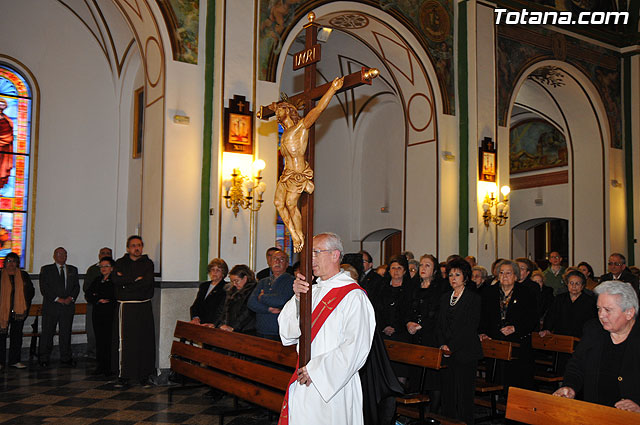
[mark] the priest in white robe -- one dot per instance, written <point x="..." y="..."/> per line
<point x="328" y="389"/>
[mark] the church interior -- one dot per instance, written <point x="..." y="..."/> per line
<point x="476" y="138"/>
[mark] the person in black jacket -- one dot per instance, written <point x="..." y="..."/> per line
<point x="618" y="271"/>
<point x="101" y="294"/>
<point x="60" y="286"/>
<point x="392" y="301"/>
<point x="420" y="321"/>
<point x="134" y="336"/>
<point x="391" y="304"/>
<point x="545" y="298"/>
<point x="16" y="293"/>
<point x="509" y="313"/>
<point x="236" y="316"/>
<point x="570" y="310"/>
<point x="457" y="332"/>
<point x="207" y="307"/>
<point x="605" y="365"/>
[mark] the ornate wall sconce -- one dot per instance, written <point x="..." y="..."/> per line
<point x="495" y="210"/>
<point x="245" y="191"/>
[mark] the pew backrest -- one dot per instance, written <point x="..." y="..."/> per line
<point x="251" y="368"/>
<point x="497" y="349"/>
<point x="417" y="355"/>
<point x="536" y="408"/>
<point x="553" y="342"/>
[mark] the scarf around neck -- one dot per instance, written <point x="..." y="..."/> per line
<point x="19" y="303"/>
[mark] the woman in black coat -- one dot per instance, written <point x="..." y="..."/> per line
<point x="570" y="310"/>
<point x="605" y="365"/>
<point x="101" y="293"/>
<point x="457" y="332"/>
<point x="236" y="316"/>
<point x="390" y="307"/>
<point x="207" y="307"/>
<point x="420" y="322"/>
<point x="509" y="313"/>
<point x="392" y="301"/>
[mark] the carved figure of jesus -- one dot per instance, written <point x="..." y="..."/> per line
<point x="297" y="175"/>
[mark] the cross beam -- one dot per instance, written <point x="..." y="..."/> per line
<point x="308" y="59"/>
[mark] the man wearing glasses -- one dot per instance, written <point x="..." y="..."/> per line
<point x="553" y="274"/>
<point x="327" y="390"/>
<point x="618" y="271"/>
<point x="270" y="295"/>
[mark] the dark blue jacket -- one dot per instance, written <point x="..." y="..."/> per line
<point x="270" y="292"/>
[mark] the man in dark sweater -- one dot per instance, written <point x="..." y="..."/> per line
<point x="135" y="342"/>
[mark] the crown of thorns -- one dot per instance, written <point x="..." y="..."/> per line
<point x="284" y="98"/>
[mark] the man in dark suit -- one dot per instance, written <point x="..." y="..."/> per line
<point x="59" y="286"/>
<point x="370" y="281"/>
<point x="618" y="271"/>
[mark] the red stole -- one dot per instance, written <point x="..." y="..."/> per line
<point x="320" y="314"/>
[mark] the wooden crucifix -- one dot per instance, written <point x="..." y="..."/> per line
<point x="297" y="176"/>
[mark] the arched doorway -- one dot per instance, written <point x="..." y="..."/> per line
<point x="565" y="178"/>
<point x="535" y="239"/>
<point x="376" y="158"/>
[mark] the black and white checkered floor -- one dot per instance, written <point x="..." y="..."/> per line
<point x="61" y="395"/>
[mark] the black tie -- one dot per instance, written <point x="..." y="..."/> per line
<point x="64" y="281"/>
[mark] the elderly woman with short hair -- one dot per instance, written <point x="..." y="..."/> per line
<point x="605" y="365"/>
<point x="478" y="275"/>
<point x="509" y="313"/>
<point x="570" y="310"/>
<point x="207" y="307"/>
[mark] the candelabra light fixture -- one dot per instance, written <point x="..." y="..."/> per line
<point x="496" y="211"/>
<point x="245" y="191"/>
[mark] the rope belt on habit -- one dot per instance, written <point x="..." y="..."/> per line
<point x="134" y="301"/>
<point x="120" y="329"/>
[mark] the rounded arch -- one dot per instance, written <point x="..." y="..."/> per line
<point x="412" y="72"/>
<point x="582" y="115"/>
<point x="143" y="23"/>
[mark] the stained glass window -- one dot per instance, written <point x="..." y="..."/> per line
<point x="15" y="149"/>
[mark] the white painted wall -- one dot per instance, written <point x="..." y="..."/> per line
<point x="80" y="130"/>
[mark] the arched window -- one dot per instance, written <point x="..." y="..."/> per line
<point x="15" y="148"/>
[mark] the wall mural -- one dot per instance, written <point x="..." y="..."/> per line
<point x="182" y="19"/>
<point x="431" y="21"/>
<point x="519" y="47"/>
<point x="535" y="145"/>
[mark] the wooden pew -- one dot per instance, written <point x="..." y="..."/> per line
<point x="536" y="408"/>
<point x="423" y="357"/>
<point x="250" y="368"/>
<point x="258" y="370"/>
<point x="494" y="350"/>
<point x="556" y="344"/>
<point x="36" y="333"/>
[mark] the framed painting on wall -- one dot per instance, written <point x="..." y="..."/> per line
<point x="138" y="121"/>
<point x="487" y="160"/>
<point x="238" y="126"/>
<point x="536" y="144"/>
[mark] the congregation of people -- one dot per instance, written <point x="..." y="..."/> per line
<point x="452" y="305"/>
